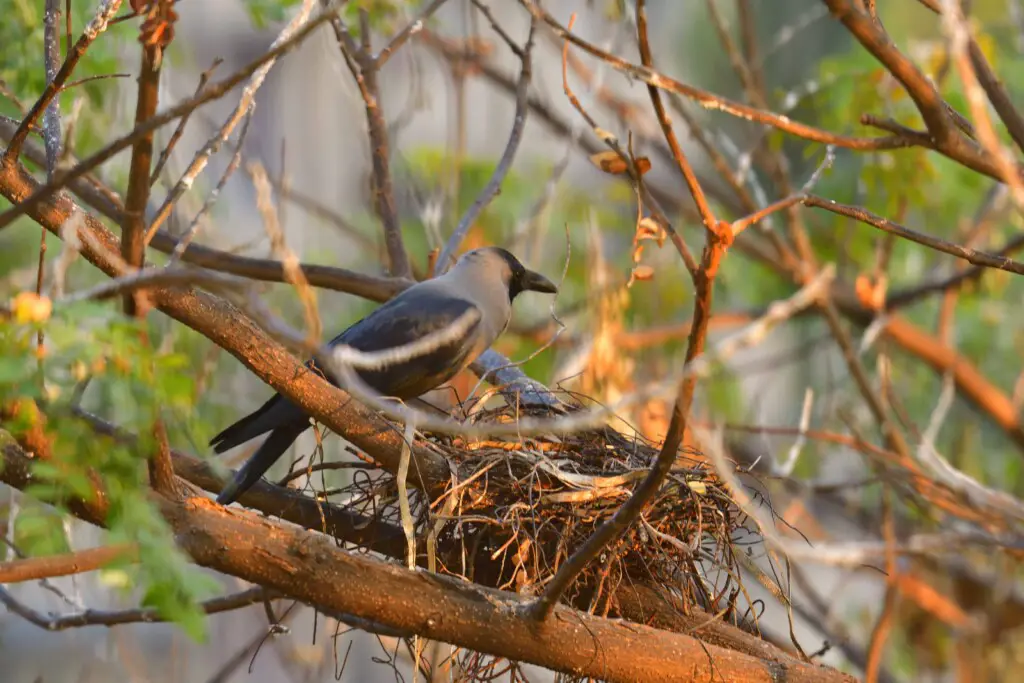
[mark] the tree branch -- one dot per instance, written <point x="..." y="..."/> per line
<point x="979" y="258"/>
<point x="365" y="71"/>
<point x="95" y="617"/>
<point x="34" y="568"/>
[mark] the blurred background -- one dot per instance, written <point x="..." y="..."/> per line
<point x="449" y="122"/>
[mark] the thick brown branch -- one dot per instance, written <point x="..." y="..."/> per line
<point x="876" y="41"/>
<point x="133" y="226"/>
<point x="450" y="610"/>
<point x="34" y="568"/>
<point x="939" y="117"/>
<point x="133" y="234"/>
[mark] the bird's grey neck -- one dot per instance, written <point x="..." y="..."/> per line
<point x="489" y="293"/>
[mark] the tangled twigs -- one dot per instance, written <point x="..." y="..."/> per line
<point x="95" y="27"/>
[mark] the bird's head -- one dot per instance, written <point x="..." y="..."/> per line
<point x="495" y="261"/>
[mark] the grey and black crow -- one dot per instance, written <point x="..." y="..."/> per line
<point x="487" y="279"/>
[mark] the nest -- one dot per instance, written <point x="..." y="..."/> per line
<point x="518" y="508"/>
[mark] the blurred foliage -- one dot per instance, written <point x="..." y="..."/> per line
<point x="382" y="15"/>
<point x="141" y="382"/>
<point x="266" y="12"/>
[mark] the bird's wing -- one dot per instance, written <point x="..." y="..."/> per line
<point x="405" y="319"/>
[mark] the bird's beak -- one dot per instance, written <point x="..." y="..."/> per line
<point x="535" y="282"/>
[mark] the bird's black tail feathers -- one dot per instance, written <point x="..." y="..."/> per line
<point x="245" y="429"/>
<point x="267" y="454"/>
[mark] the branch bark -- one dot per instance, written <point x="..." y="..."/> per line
<point x="34" y="568"/>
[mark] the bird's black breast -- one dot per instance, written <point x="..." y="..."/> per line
<point x="409" y="317"/>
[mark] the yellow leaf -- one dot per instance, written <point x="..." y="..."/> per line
<point x="638" y="251"/>
<point x="31" y="307"/>
<point x="698" y="487"/>
<point x="643" y="272"/>
<point x="650" y="229"/>
<point x="610" y="162"/>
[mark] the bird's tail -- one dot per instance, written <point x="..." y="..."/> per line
<point x="249" y="427"/>
<point x="267" y="454"/>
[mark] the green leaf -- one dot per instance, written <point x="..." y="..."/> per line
<point x="266" y="12"/>
<point x="14" y="370"/>
<point x="40" y="531"/>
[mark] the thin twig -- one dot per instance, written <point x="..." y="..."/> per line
<point x="715" y="102"/>
<point x="226" y="603"/>
<point x="692" y="184"/>
<point x="493" y="186"/>
<point x="411" y="29"/>
<point x="165" y="155"/>
<point x="193" y="229"/>
<point x="979" y="258"/>
<point x="289" y="261"/>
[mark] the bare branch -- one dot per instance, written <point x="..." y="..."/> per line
<point x="979" y="258"/>
<point x="226" y="603"/>
<point x="414" y="27"/>
<point x="165" y="155"/>
<point x="493" y="186"/>
<point x="711" y="101"/>
<point x="297" y="27"/>
<point x="35" y="568"/>
<point x="365" y="71"/>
